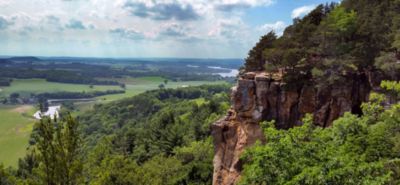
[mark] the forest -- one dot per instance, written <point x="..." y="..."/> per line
<point x="163" y="136"/>
<point x="355" y="150"/>
<point x="107" y="71"/>
<point x="158" y="137"/>
<point x="332" y="42"/>
<point x="326" y="48"/>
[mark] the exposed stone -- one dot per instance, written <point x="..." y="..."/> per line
<point x="230" y="139"/>
<point x="307" y="100"/>
<point x="249" y="75"/>
<point x="257" y="97"/>
<point x="243" y="98"/>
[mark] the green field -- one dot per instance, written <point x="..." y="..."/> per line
<point x="27" y="86"/>
<point x="15" y="127"/>
<point x="135" y="86"/>
<point x="16" y="121"/>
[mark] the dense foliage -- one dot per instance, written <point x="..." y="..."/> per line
<point x="163" y="136"/>
<point x="32" y="98"/>
<point x="107" y="71"/>
<point x="356" y="150"/>
<point x="62" y="76"/>
<point x="5" y="81"/>
<point x="76" y="95"/>
<point x="334" y="40"/>
<point x="158" y="137"/>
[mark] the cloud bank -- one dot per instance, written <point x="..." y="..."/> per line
<point x="132" y="28"/>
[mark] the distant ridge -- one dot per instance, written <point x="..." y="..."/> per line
<point x="24" y="59"/>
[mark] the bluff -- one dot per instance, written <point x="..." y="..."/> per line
<point x="259" y="97"/>
<point x="326" y="63"/>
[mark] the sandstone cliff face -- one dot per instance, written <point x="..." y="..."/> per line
<point x="257" y="98"/>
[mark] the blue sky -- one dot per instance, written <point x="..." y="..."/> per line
<point x="142" y="28"/>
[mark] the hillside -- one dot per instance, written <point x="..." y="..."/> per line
<point x="323" y="67"/>
<point x="157" y="137"/>
<point x="318" y="105"/>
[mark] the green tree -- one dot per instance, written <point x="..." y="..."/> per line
<point x="197" y="160"/>
<point x="59" y="151"/>
<point x="163" y="171"/>
<point x="6" y="178"/>
<point x="388" y="63"/>
<point x="355" y="150"/>
<point x="14" y="98"/>
<point x="336" y="31"/>
<point x="255" y="60"/>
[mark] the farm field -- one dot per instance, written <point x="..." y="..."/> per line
<point x="16" y="125"/>
<point x="135" y="86"/>
<point x="16" y="122"/>
<point x="27" y="86"/>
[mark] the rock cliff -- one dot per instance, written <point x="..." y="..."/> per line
<point x="258" y="97"/>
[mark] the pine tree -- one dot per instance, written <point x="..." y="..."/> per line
<point x="59" y="145"/>
<point x="255" y="60"/>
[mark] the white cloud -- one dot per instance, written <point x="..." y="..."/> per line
<point x="212" y="24"/>
<point x="303" y="10"/>
<point x="249" y="2"/>
<point x="278" y="27"/>
<point x="230" y="5"/>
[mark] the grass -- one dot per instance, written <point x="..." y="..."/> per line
<point x="136" y="86"/>
<point x="16" y="122"/>
<point x="27" y="86"/>
<point x="16" y="125"/>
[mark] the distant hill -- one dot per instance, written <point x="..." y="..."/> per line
<point x="24" y="59"/>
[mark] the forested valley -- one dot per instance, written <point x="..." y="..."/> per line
<point x="164" y="136"/>
<point x="158" y="137"/>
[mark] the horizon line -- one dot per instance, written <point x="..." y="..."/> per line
<point x="119" y="58"/>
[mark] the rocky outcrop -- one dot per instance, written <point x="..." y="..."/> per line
<point x="257" y="97"/>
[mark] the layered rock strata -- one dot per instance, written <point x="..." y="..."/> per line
<point x="258" y="97"/>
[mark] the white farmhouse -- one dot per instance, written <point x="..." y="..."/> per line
<point x="52" y="112"/>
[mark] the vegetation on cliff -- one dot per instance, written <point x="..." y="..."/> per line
<point x="355" y="150"/>
<point x="332" y="41"/>
<point x="326" y="47"/>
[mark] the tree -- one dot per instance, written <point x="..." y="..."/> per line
<point x="336" y="30"/>
<point x="43" y="104"/>
<point x="14" y="98"/>
<point x="388" y="63"/>
<point x="197" y="159"/>
<point x="116" y="169"/>
<point x="59" y="151"/>
<point x="6" y="178"/>
<point x="274" y="57"/>
<point x="255" y="60"/>
<point x="355" y="150"/>
<point x="162" y="170"/>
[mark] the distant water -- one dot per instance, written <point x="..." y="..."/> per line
<point x="232" y="73"/>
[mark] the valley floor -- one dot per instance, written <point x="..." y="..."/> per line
<point x="16" y="121"/>
<point x="16" y="124"/>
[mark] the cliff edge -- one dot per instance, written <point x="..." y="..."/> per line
<point x="260" y="97"/>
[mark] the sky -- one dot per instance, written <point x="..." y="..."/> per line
<point x="142" y="28"/>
